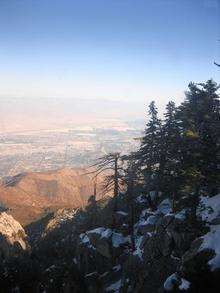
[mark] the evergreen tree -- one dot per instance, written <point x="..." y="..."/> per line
<point x="149" y="153"/>
<point x="180" y="156"/>
<point x="199" y="119"/>
<point x="170" y="153"/>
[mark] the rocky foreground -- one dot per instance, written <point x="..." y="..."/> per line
<point x="80" y="250"/>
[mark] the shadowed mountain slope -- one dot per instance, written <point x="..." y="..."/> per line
<point x="31" y="195"/>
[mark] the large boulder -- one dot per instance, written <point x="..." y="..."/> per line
<point x="104" y="240"/>
<point x="201" y="262"/>
<point x="13" y="239"/>
<point x="148" y="225"/>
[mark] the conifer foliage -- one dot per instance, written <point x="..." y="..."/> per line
<point x="179" y="156"/>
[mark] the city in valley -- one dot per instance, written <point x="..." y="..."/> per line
<point x="79" y="146"/>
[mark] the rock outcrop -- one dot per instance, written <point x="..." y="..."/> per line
<point x="161" y="251"/>
<point x="59" y="218"/>
<point x="167" y="255"/>
<point x="13" y="239"/>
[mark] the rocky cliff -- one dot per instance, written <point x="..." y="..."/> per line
<point x="13" y="239"/>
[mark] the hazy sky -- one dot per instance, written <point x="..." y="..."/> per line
<point x="107" y="49"/>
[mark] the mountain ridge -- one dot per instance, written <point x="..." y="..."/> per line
<point x="28" y="196"/>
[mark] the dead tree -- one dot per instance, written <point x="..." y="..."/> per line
<point x="131" y="178"/>
<point x="109" y="166"/>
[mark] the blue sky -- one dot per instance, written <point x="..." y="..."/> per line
<point x="127" y="50"/>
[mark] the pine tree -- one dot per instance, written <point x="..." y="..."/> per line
<point x="171" y="153"/>
<point x="209" y="133"/>
<point x="199" y="118"/>
<point x="149" y="153"/>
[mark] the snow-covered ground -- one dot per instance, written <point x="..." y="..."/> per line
<point x="173" y="280"/>
<point x="210" y="212"/>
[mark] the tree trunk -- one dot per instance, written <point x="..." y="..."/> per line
<point x="131" y="205"/>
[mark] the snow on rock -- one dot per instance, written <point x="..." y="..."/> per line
<point x="61" y="216"/>
<point x="117" y="268"/>
<point x="115" y="287"/>
<point x="105" y="233"/>
<point x="164" y="207"/>
<point x="84" y="239"/>
<point x="170" y="281"/>
<point x="118" y="239"/>
<point x="91" y="274"/>
<point x="143" y="217"/>
<point x="181" y="215"/>
<point x="212" y="241"/>
<point x="175" y="281"/>
<point x="185" y="285"/>
<point x="50" y="268"/>
<point x="210" y="212"/>
<point x="151" y="220"/>
<point x="138" y="251"/>
<point x="144" y="213"/>
<point x="210" y="208"/>
<point x="141" y="199"/>
<point x="121" y="213"/>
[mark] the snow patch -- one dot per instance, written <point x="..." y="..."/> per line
<point x="209" y="208"/>
<point x="173" y="280"/>
<point x="209" y="211"/>
<point x="115" y="287"/>
<point x="212" y="241"/>
<point x="84" y="238"/>
<point x="151" y="220"/>
<point x="117" y="238"/>
<point x="164" y="207"/>
<point x="184" y="285"/>
<point x="141" y="199"/>
<point x="138" y="251"/>
<point x="91" y="274"/>
<point x="181" y="215"/>
<point x="117" y="268"/>
<point x="121" y="213"/>
<point x="170" y="281"/>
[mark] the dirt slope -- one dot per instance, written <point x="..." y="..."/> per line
<point x="29" y="196"/>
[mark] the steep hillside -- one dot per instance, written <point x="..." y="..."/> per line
<point x="29" y="196"/>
